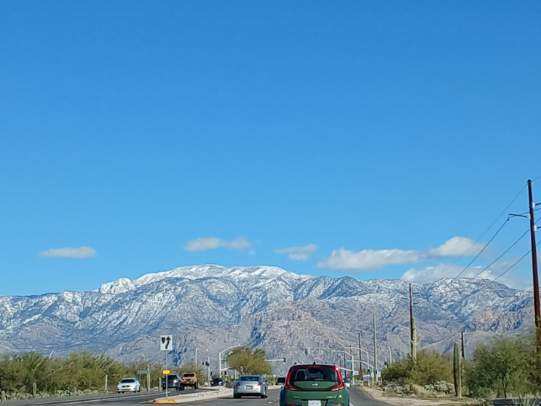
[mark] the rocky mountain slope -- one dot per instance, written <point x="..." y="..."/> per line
<point x="212" y="307"/>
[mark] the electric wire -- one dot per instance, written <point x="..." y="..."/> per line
<point x="482" y="249"/>
<point x="518" y="261"/>
<point x="503" y="212"/>
<point x="503" y="253"/>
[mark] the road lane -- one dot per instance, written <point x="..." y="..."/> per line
<point x="358" y="398"/>
<point x="94" y="400"/>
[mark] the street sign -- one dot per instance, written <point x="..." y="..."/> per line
<point x="166" y="343"/>
<point x="166" y="372"/>
<point x="142" y="372"/>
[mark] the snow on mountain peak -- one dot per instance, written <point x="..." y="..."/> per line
<point x="256" y="273"/>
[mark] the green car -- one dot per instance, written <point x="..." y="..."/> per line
<point x="314" y="385"/>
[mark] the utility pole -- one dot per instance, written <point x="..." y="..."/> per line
<point x="537" y="309"/>
<point x="413" y="330"/>
<point x="360" y="357"/>
<point x="375" y="348"/>
<point x="195" y="361"/>
<point x="148" y="377"/>
<point x="390" y="356"/>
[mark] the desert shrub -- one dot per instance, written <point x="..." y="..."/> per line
<point x="502" y="367"/>
<point x="430" y="368"/>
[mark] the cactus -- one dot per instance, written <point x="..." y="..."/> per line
<point x="457" y="369"/>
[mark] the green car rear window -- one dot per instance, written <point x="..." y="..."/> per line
<point x="315" y="373"/>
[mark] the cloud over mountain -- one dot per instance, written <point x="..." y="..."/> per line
<point x="69" y="252"/>
<point x="370" y="259"/>
<point x="212" y="243"/>
<point x="298" y="253"/>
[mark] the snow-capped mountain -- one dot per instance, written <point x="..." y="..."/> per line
<point x="212" y="307"/>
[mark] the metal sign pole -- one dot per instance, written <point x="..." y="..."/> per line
<point x="166" y="376"/>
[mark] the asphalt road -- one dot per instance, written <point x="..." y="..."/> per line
<point x="358" y="398"/>
<point x="125" y="399"/>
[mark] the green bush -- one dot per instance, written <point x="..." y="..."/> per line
<point x="431" y="367"/>
<point x="248" y="361"/>
<point x="505" y="366"/>
<point x="76" y="372"/>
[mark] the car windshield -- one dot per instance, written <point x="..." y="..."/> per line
<point x="249" y="378"/>
<point x="188" y="375"/>
<point x="314" y="373"/>
<point x="127" y="381"/>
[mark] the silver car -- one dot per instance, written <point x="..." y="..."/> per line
<point x="128" y="385"/>
<point x="250" y="385"/>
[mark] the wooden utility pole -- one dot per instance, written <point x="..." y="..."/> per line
<point x="537" y="309"/>
<point x="457" y="371"/>
<point x="413" y="330"/>
<point x="360" y="357"/>
<point x="375" y="348"/>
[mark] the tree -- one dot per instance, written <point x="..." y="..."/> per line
<point x="429" y="368"/>
<point x="248" y="361"/>
<point x="501" y="367"/>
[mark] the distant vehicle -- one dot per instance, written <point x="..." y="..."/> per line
<point x="314" y="385"/>
<point x="128" y="385"/>
<point x="188" y="379"/>
<point x="281" y="380"/>
<point x="254" y="385"/>
<point x="217" y="382"/>
<point x="173" y="382"/>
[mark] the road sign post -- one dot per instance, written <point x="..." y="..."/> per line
<point x="166" y="344"/>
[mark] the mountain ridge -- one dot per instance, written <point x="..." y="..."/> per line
<point x="213" y="307"/>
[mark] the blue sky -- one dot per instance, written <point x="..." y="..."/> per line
<point x="384" y="130"/>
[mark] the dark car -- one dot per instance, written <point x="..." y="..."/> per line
<point x="173" y="382"/>
<point x="217" y="382"/>
<point x="281" y="380"/>
<point x="314" y="385"/>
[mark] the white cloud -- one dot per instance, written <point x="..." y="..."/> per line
<point x="212" y="243"/>
<point x="456" y="247"/>
<point x="434" y="273"/>
<point x="69" y="252"/>
<point x="368" y="259"/>
<point x="298" y="253"/>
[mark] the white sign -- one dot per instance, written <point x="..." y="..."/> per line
<point x="166" y="343"/>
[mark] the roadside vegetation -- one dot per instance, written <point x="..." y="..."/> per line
<point x="32" y="374"/>
<point x="249" y="361"/>
<point x="504" y="367"/>
<point x="431" y="367"/>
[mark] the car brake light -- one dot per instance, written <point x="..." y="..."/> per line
<point x="337" y="387"/>
<point x="289" y="386"/>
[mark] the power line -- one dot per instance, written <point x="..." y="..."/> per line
<point x="504" y="252"/>
<point x="482" y="249"/>
<point x="518" y="260"/>
<point x="503" y="212"/>
<point x="513" y="265"/>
